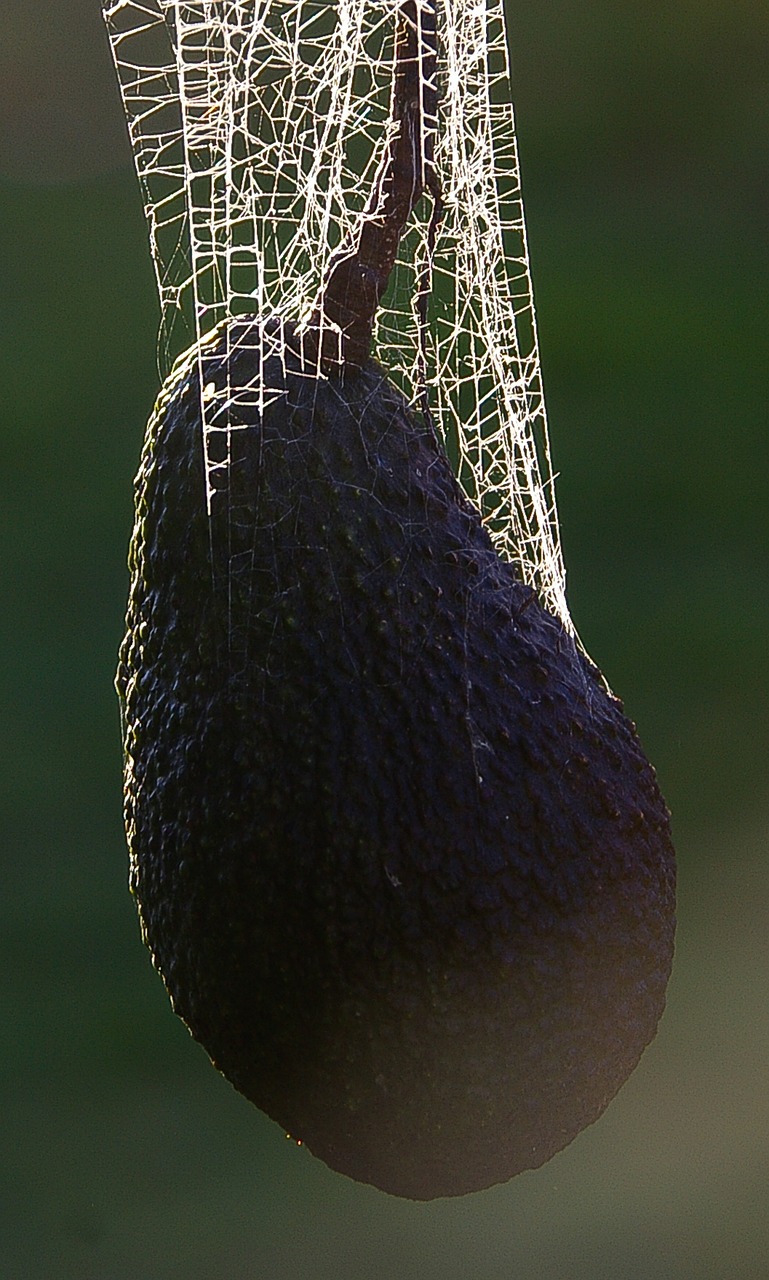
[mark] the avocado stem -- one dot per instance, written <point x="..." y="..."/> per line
<point x="339" y="332"/>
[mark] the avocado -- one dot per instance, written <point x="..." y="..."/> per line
<point x="397" y="852"/>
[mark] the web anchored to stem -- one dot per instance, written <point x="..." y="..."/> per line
<point x="273" y="138"/>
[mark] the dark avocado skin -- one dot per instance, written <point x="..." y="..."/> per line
<point x="398" y="854"/>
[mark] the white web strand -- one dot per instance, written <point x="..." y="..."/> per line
<point x="257" y="128"/>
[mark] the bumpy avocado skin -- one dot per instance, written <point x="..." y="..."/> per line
<point x="398" y="855"/>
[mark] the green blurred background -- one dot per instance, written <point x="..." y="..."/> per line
<point x="643" y="131"/>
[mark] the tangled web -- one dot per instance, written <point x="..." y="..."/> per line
<point x="258" y="129"/>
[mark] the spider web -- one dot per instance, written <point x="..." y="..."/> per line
<point x="257" y="128"/>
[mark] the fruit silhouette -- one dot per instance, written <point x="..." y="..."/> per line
<point x="398" y="854"/>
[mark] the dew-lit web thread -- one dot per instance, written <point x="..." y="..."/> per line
<point x="257" y="128"/>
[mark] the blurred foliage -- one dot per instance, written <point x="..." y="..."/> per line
<point x="643" y="136"/>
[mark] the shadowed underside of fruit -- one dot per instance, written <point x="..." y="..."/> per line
<point x="398" y="854"/>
